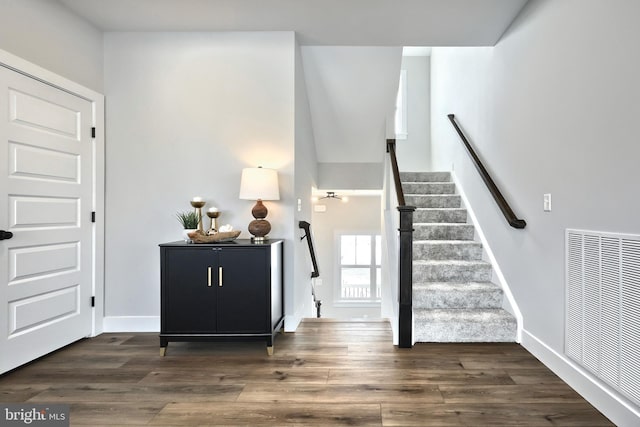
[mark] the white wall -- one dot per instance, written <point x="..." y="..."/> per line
<point x="413" y="152"/>
<point x="348" y="176"/>
<point x="306" y="177"/>
<point x="551" y="109"/>
<point x="351" y="89"/>
<point x="188" y="111"/>
<point x="360" y="213"/>
<point x="51" y="36"/>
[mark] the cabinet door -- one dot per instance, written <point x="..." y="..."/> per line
<point x="188" y="295"/>
<point x="243" y="294"/>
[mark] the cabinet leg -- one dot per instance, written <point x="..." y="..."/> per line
<point x="163" y="346"/>
<point x="270" y="345"/>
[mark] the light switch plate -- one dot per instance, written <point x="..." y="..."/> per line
<point x="547" y="202"/>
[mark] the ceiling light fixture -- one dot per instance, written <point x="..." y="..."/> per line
<point x="333" y="195"/>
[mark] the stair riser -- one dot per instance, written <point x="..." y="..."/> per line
<point x="442" y="251"/>
<point x="425" y="176"/>
<point x="428" y="188"/>
<point x="458" y="299"/>
<point x="443" y="232"/>
<point x="451" y="273"/>
<point x="433" y="201"/>
<point x="440" y="215"/>
<point x="465" y="332"/>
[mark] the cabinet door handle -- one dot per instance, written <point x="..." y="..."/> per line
<point x="209" y="276"/>
<point x="220" y="276"/>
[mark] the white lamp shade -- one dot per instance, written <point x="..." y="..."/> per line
<point x="259" y="183"/>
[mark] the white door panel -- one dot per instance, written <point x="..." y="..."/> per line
<point x="43" y="260"/>
<point x="43" y="163"/>
<point x="46" y="199"/>
<point x="55" y="114"/>
<point x="37" y="311"/>
<point x="43" y="212"/>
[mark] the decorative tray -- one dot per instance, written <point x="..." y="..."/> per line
<point x="222" y="236"/>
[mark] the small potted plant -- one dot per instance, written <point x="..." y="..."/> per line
<point x="189" y="221"/>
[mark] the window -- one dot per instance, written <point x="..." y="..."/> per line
<point x="401" y="129"/>
<point x="359" y="270"/>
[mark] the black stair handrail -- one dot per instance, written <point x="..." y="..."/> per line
<point x="307" y="234"/>
<point x="391" y="149"/>
<point x="513" y="221"/>
<point x="315" y="273"/>
<point x="405" y="256"/>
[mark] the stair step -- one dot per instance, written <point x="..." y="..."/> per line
<point x="458" y="215"/>
<point x="433" y="200"/>
<point x="436" y="295"/>
<point x="466" y="325"/>
<point x="453" y="297"/>
<point x="447" y="249"/>
<point x="428" y="188"/>
<point x="451" y="271"/>
<point x="425" y="176"/>
<point x="443" y="231"/>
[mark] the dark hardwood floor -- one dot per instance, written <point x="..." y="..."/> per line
<point x="327" y="373"/>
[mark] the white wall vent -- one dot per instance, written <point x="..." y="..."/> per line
<point x="603" y="307"/>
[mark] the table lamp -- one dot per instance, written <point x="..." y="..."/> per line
<point x="259" y="184"/>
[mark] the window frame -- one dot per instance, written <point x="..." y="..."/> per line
<point x="373" y="267"/>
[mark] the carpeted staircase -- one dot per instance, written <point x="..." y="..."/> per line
<point x="454" y="299"/>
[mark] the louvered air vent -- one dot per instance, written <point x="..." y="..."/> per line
<point x="603" y="307"/>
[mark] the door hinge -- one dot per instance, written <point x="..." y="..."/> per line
<point x="93" y="217"/>
<point x="93" y="301"/>
<point x="93" y="132"/>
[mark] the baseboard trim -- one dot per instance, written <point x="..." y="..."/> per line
<point x="291" y="322"/>
<point x="608" y="401"/>
<point x="131" y="324"/>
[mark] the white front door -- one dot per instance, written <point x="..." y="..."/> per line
<point x="46" y="200"/>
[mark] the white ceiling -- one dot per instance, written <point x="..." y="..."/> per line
<point x="317" y="22"/>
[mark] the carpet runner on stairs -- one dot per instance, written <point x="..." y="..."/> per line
<point x="454" y="299"/>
